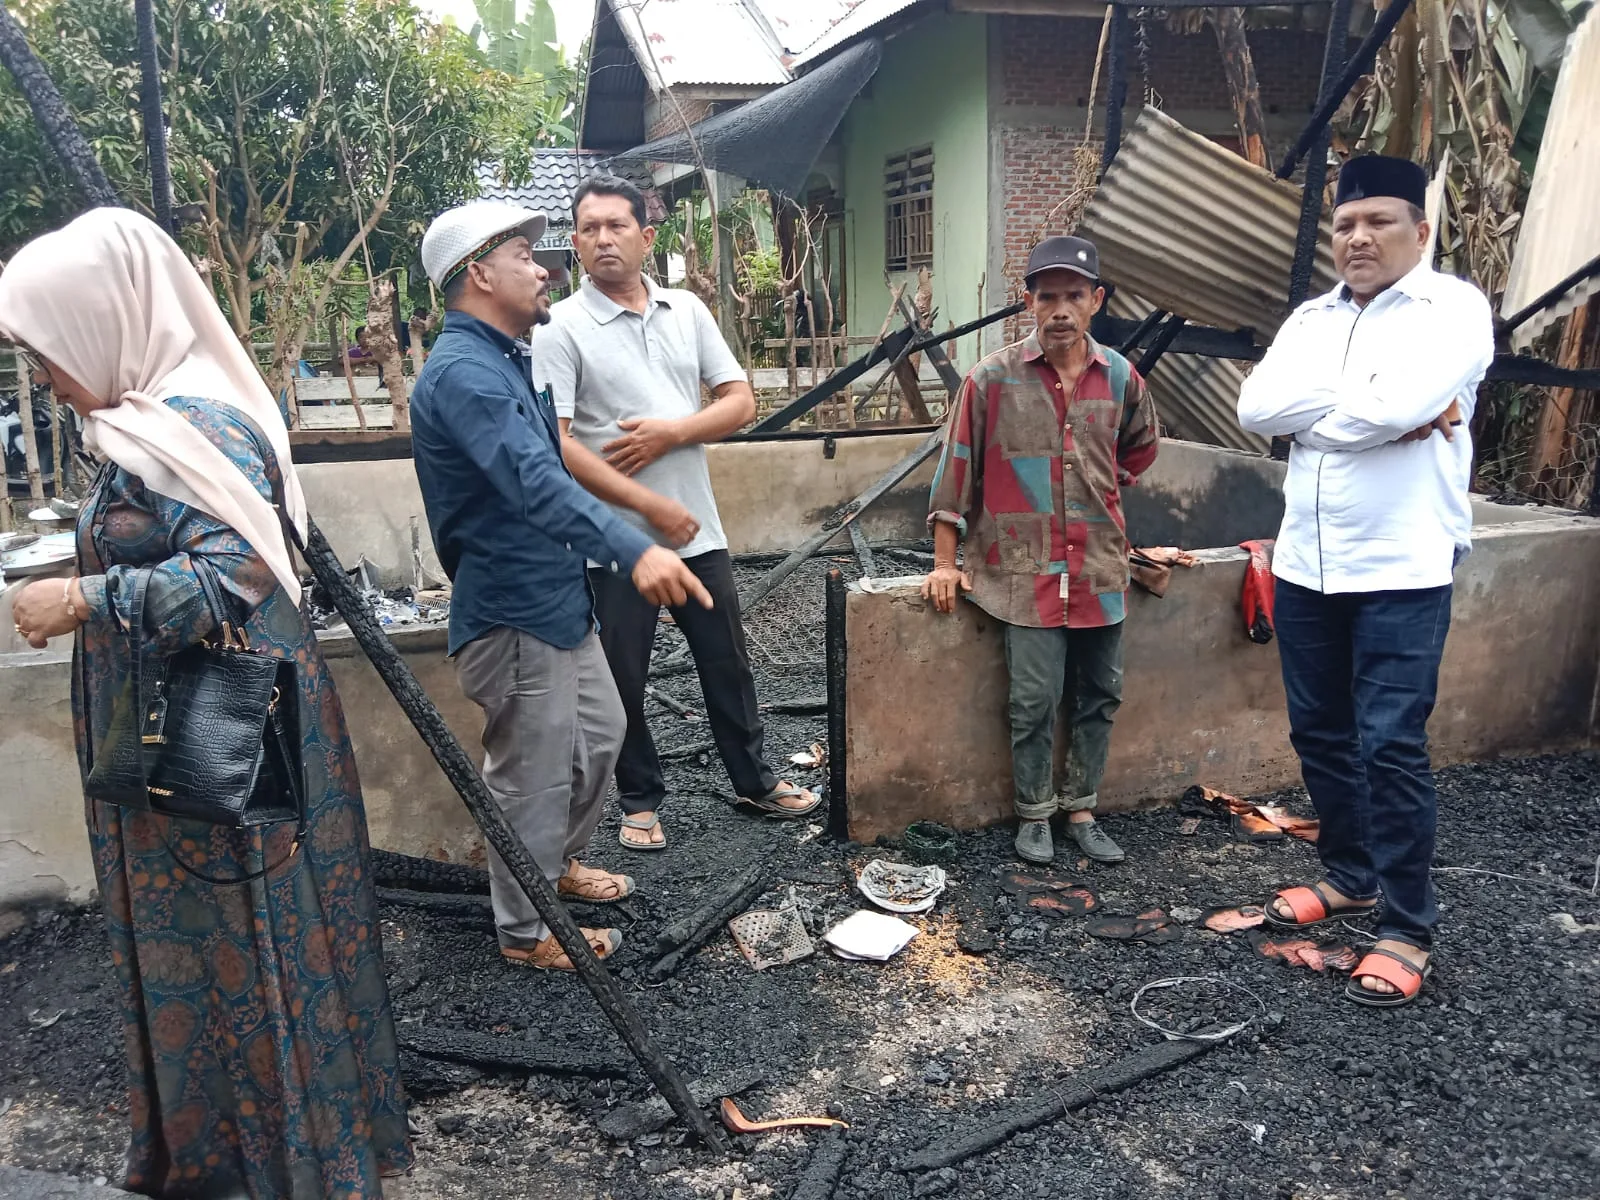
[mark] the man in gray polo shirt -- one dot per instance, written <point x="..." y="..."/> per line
<point x="625" y="361"/>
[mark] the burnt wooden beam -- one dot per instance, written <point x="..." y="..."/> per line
<point x="843" y="516"/>
<point x="1204" y="340"/>
<point x="1078" y="1091"/>
<point x="52" y="116"/>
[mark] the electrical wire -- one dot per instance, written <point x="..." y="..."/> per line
<point x="1221" y="1035"/>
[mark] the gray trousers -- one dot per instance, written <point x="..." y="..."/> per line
<point x="552" y="729"/>
<point x="1083" y="668"/>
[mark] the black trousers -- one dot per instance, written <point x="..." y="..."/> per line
<point x="716" y="639"/>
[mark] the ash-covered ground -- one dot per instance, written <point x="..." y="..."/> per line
<point x="1487" y="1087"/>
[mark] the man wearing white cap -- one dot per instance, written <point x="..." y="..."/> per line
<point x="513" y="530"/>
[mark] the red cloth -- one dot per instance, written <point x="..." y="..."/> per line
<point x="1258" y="591"/>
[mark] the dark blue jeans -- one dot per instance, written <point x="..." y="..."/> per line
<point x="1361" y="671"/>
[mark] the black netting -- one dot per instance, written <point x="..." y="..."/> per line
<point x="774" y="141"/>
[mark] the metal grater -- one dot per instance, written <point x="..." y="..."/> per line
<point x="771" y="938"/>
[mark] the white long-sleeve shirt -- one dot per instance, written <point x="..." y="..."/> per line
<point x="1364" y="513"/>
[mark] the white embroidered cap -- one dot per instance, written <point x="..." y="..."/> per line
<point x="462" y="235"/>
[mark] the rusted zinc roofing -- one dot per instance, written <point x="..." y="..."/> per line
<point x="1196" y="230"/>
<point x="1560" y="228"/>
<point x="749" y="43"/>
<point x="1197" y="398"/>
<point x="699" y="42"/>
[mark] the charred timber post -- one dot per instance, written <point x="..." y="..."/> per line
<point x="1315" y="137"/>
<point x="469" y="785"/>
<point x="956" y="1145"/>
<point x="838" y="800"/>
<point x="54" y="121"/>
<point x="1344" y="76"/>
<point x="1116" y="84"/>
<point x="1169" y="334"/>
<point x="1141" y="331"/>
<point x="155" y="126"/>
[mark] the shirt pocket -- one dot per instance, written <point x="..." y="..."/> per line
<point x="1023" y="542"/>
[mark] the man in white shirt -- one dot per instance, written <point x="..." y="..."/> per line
<point x="1376" y="383"/>
<point x="625" y="361"/>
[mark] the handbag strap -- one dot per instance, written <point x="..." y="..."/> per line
<point x="135" y="633"/>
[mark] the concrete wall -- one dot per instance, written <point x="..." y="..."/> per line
<point x="1203" y="704"/>
<point x="931" y="89"/>
<point x="772" y="495"/>
<point x="44" y="851"/>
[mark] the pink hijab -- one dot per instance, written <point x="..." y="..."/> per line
<point x="113" y="302"/>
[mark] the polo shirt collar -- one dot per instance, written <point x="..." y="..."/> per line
<point x="1032" y="351"/>
<point x="456" y="321"/>
<point x="604" y="309"/>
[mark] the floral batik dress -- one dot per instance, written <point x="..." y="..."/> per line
<point x="261" y="1048"/>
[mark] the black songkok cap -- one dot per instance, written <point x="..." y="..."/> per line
<point x="1379" y="175"/>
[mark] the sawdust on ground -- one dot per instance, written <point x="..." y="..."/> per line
<point x="934" y="955"/>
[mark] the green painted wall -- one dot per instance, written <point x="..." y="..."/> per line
<point x="932" y="88"/>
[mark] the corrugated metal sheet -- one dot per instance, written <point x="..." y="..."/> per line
<point x="699" y="41"/>
<point x="742" y="42"/>
<point x="1197" y="398"/>
<point x="1561" y="228"/>
<point x="855" y="18"/>
<point x="1196" y="230"/>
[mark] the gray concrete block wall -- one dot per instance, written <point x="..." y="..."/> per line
<point x="1203" y="704"/>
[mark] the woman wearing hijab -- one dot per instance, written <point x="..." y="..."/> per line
<point x="261" y="1048"/>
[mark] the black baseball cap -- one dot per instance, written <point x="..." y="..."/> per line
<point x="1068" y="253"/>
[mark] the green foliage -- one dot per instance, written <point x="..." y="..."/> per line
<point x="302" y="111"/>
<point x="527" y="51"/>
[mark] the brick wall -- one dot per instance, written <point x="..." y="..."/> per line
<point x="664" y="120"/>
<point x="1050" y="61"/>
<point x="1047" y="63"/>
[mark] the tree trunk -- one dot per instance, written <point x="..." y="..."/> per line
<point x="349" y="375"/>
<point x="51" y="113"/>
<point x="1240" y="70"/>
<point x="1403" y="49"/>
<point x="383" y="340"/>
<point x="421" y="324"/>
<point x="1566" y="410"/>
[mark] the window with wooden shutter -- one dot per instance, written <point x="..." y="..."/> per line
<point x="908" y="210"/>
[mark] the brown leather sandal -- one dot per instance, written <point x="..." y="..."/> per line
<point x="549" y="956"/>
<point x="599" y="888"/>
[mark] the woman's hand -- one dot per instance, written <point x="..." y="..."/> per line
<point x="47" y="608"/>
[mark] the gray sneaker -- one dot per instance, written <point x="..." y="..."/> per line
<point x="1034" y="843"/>
<point x="1095" y="843"/>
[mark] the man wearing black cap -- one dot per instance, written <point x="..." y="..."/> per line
<point x="1375" y="382"/>
<point x="1041" y="441"/>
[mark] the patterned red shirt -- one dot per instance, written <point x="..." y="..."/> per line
<point x="1033" y="478"/>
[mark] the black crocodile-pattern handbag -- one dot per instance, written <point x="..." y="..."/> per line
<point x="211" y="733"/>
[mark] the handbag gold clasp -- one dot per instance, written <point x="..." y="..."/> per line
<point x="155" y="791"/>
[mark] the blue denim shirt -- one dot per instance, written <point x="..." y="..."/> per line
<point x="511" y="525"/>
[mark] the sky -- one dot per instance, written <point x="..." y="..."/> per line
<point x="573" y="17"/>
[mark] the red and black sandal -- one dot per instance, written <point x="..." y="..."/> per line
<point x="1312" y="906"/>
<point x="1405" y="977"/>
